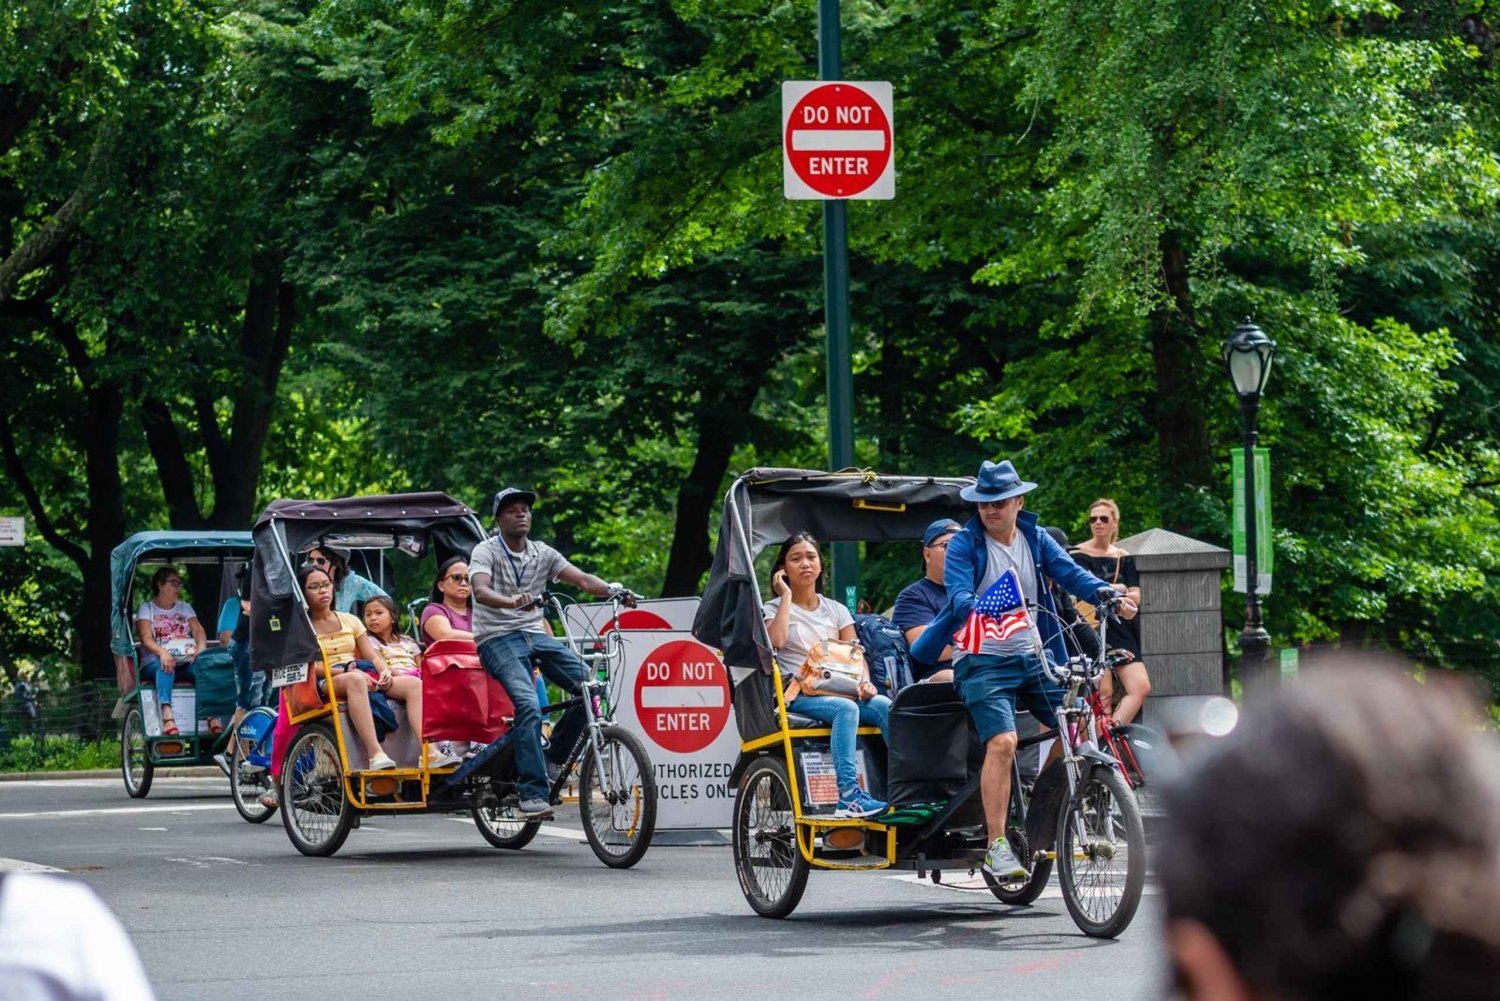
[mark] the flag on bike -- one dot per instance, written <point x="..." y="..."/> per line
<point x="999" y="614"/>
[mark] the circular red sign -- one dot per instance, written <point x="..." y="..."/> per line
<point x="838" y="140"/>
<point x="682" y="696"/>
<point x="638" y="618"/>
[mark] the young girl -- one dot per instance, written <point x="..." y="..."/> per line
<point x="401" y="653"/>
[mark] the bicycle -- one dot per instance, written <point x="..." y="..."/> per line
<point x="250" y="763"/>
<point x="1098" y="839"/>
<point x="616" y="781"/>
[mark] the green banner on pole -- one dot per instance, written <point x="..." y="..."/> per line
<point x="1264" y="550"/>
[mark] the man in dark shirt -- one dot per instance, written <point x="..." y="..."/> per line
<point x="921" y="601"/>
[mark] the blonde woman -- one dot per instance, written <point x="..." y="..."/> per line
<point x="1107" y="561"/>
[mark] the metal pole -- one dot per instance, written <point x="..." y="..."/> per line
<point x="1254" y="640"/>
<point x="840" y="351"/>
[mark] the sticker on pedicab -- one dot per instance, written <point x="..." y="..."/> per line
<point x="820" y="784"/>
<point x="288" y="674"/>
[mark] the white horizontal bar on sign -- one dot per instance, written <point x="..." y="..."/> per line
<point x="838" y="140"/>
<point x="681" y="697"/>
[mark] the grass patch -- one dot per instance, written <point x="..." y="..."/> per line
<point x="58" y="753"/>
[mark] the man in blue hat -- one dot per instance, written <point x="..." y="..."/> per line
<point x="1003" y="536"/>
<point x="921" y="601"/>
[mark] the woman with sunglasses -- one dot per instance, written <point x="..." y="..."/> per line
<point x="1107" y="561"/>
<point x="449" y="614"/>
<point x="350" y="590"/>
<point x="171" y="637"/>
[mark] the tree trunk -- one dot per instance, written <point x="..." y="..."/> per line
<point x="1182" y="435"/>
<point x="723" y="423"/>
<point x="106" y="527"/>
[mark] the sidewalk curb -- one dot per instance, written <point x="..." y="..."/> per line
<point x="192" y="771"/>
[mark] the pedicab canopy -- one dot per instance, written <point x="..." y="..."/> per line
<point x="280" y="633"/>
<point x="765" y="507"/>
<point x="164" y="547"/>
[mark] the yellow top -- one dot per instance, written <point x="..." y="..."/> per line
<point x="338" y="647"/>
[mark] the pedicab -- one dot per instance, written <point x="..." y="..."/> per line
<point x="211" y="561"/>
<point x="326" y="784"/>
<point x="783" y="820"/>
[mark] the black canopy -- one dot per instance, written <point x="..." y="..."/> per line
<point x="280" y="633"/>
<point x="765" y="507"/>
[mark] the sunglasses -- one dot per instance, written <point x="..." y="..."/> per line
<point x="172" y="581"/>
<point x="458" y="578"/>
<point x="999" y="503"/>
<point x="318" y="561"/>
<point x="1099" y="519"/>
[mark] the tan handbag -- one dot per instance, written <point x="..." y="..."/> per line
<point x="833" y="667"/>
<point x="1086" y="609"/>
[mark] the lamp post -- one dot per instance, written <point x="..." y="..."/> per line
<point x="1248" y="354"/>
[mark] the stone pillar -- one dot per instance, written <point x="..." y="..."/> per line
<point x="1182" y="627"/>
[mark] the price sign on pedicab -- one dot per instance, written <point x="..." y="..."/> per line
<point x="677" y="698"/>
<point x="838" y="140"/>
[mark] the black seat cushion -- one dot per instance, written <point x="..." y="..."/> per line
<point x="797" y="721"/>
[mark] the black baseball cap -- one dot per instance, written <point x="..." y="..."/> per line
<point x="507" y="495"/>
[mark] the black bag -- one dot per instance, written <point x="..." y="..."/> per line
<point x="885" y="651"/>
<point x="755" y="705"/>
<point x="931" y="745"/>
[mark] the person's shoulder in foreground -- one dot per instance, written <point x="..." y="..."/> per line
<point x="1342" y="842"/>
<point x="58" y="942"/>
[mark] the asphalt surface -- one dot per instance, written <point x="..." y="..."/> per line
<point x="421" y="905"/>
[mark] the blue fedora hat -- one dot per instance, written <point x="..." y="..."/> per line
<point x="997" y="481"/>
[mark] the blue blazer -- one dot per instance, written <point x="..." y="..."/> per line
<point x="964" y="569"/>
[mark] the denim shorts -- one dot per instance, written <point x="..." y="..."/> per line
<point x="992" y="685"/>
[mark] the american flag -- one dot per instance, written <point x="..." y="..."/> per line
<point x="999" y="614"/>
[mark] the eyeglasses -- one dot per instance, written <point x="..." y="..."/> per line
<point x="1099" y="519"/>
<point x="325" y="586"/>
<point x="458" y="578"/>
<point x="940" y="545"/>
<point x="318" y="561"/>
<point x="998" y="503"/>
<point x="173" y="581"/>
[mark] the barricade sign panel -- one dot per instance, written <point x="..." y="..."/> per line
<point x="674" y="695"/>
<point x="651" y="614"/>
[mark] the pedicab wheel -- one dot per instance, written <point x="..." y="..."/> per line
<point x="770" y="866"/>
<point x="618" y="802"/>
<point x="499" y="820"/>
<point x="1101" y="854"/>
<point x="135" y="757"/>
<point x="248" y="782"/>
<point x="1020" y="891"/>
<point x="315" y="810"/>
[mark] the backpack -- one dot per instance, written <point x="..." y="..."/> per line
<point x="885" y="651"/>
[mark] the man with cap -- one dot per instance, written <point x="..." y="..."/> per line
<point x="508" y="572"/>
<point x="1001" y="537"/>
<point x="921" y="600"/>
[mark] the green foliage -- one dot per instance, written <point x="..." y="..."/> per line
<point x="58" y="753"/>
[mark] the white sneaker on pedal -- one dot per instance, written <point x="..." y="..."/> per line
<point x="535" y="809"/>
<point x="1001" y="862"/>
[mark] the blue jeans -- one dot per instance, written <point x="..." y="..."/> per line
<point x="507" y="658"/>
<point x="845" y="717"/>
<point x="251" y="688"/>
<point x="151" y="672"/>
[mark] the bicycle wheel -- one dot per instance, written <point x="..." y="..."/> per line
<point x="1102" y="854"/>
<point x="135" y="755"/>
<point x="771" y="869"/>
<point x="499" y="820"/>
<point x="247" y="780"/>
<point x="315" y="810"/>
<point x="618" y="802"/>
<point x="1021" y="891"/>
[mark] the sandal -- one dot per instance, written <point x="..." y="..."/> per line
<point x="215" y="726"/>
<point x="169" y="723"/>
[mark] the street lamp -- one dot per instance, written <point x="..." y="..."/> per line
<point x="1248" y="354"/>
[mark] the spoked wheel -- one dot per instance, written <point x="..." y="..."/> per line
<point x="498" y="818"/>
<point x="135" y="758"/>
<point x="618" y="802"/>
<point x="1021" y="891"/>
<point x="771" y="868"/>
<point x="314" y="808"/>
<point x="250" y="767"/>
<point x="1102" y="854"/>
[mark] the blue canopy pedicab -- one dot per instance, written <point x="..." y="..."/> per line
<point x="203" y="687"/>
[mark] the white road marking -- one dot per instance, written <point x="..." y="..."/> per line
<point x="183" y="809"/>
<point x="551" y="830"/>
<point x="20" y="865"/>
<point x="151" y="828"/>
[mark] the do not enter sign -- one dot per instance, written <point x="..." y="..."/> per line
<point x="837" y="140"/>
<point x="682" y="696"/>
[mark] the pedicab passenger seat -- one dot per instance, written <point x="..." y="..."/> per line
<point x="755" y="708"/>
<point x="934" y="747"/>
<point x="460" y="701"/>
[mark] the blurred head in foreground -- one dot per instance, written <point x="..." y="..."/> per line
<point x="1343" y="842"/>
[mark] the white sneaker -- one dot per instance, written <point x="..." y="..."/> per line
<point x="381" y="762"/>
<point x="437" y="758"/>
<point x="1001" y="862"/>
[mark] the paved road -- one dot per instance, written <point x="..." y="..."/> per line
<point x="422" y="906"/>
